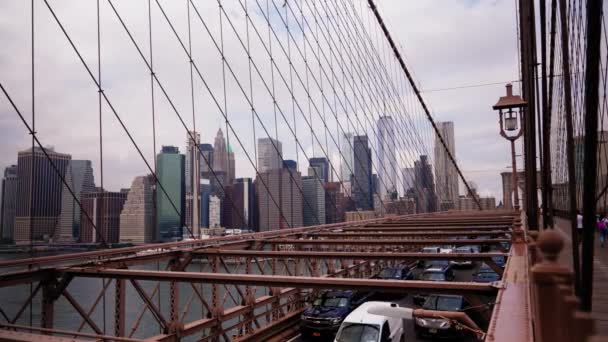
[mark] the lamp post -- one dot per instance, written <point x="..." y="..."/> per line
<point x="510" y="116"/>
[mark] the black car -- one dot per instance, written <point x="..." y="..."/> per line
<point x="400" y="272"/>
<point x="322" y="319"/>
<point x="433" y="274"/>
<point x="437" y="327"/>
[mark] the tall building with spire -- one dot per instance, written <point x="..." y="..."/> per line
<point x="79" y="176"/>
<point x="221" y="160"/>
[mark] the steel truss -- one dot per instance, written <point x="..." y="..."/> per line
<point x="253" y="286"/>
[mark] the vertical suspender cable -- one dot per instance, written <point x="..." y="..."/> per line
<point x="104" y="228"/>
<point x="33" y="163"/>
<point x="592" y="67"/>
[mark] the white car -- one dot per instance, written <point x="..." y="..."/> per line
<point x="363" y="326"/>
<point x="446" y="249"/>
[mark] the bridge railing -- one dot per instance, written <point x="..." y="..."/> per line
<point x="554" y="304"/>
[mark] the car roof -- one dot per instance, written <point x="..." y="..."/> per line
<point x="336" y="293"/>
<point x="434" y="269"/>
<point x="446" y="296"/>
<point x="360" y="314"/>
<point x="431" y="247"/>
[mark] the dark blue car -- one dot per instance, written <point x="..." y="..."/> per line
<point x="322" y="319"/>
<point x="485" y="275"/>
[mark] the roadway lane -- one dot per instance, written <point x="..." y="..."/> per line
<point x="410" y="336"/>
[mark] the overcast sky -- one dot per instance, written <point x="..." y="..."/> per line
<point x="446" y="44"/>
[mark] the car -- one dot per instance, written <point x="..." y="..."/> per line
<point x="323" y="318"/>
<point x="399" y="272"/>
<point x="437" y="264"/>
<point x="446" y="249"/>
<point x="485" y="274"/>
<point x="431" y="249"/>
<point x="438" y="274"/>
<point x="433" y="274"/>
<point x="363" y="326"/>
<point x="438" y="327"/>
<point x="499" y="260"/>
<point x="462" y="262"/>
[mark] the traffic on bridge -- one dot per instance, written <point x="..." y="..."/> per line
<point x="318" y="194"/>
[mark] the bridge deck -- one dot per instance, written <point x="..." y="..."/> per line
<point x="600" y="274"/>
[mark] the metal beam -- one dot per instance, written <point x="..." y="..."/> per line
<point x="385" y="242"/>
<point x="392" y="234"/>
<point x="283" y="281"/>
<point x="350" y="255"/>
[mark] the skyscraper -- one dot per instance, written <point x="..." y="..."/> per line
<point x="268" y="156"/>
<point x="238" y="208"/>
<point x="205" y="193"/>
<point x="362" y="178"/>
<point x="446" y="176"/>
<point x="222" y="159"/>
<point x="215" y="208"/>
<point x="387" y="162"/>
<point x="426" y="199"/>
<point x="39" y="197"/>
<point x="79" y="176"/>
<point x="192" y="180"/>
<point x="323" y="168"/>
<point x="347" y="168"/>
<point x="314" y="200"/>
<point x="334" y="203"/>
<point x="103" y="209"/>
<point x="7" y="206"/>
<point x="279" y="199"/>
<point x="408" y="176"/>
<point x="206" y="160"/>
<point x="170" y="205"/>
<point x="137" y="224"/>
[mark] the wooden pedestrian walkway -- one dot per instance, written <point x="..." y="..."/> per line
<point x="600" y="274"/>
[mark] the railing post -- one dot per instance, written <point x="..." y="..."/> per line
<point x="119" y="307"/>
<point x="48" y="305"/>
<point x="547" y="276"/>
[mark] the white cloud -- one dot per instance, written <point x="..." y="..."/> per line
<point x="445" y="44"/>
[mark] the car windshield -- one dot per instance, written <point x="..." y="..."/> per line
<point x="443" y="303"/>
<point x="487" y="275"/>
<point x="435" y="276"/>
<point x="446" y="247"/>
<point x="331" y="302"/>
<point x="358" y="333"/>
<point x="499" y="260"/>
<point x="464" y="250"/>
<point x="439" y="263"/>
<point x="429" y="250"/>
<point x="390" y="273"/>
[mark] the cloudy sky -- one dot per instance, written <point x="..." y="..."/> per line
<point x="446" y="44"/>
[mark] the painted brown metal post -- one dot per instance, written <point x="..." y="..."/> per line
<point x="528" y="61"/>
<point x="514" y="176"/>
<point x="546" y="123"/>
<point x="119" y="308"/>
<point x="48" y="301"/>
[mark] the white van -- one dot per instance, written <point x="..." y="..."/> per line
<point x="362" y="326"/>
